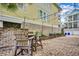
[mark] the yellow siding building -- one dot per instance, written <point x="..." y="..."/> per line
<point x="39" y="17"/>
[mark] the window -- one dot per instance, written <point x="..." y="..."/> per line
<point x="65" y="25"/>
<point x="21" y="5"/>
<point x="58" y="25"/>
<point x="45" y="16"/>
<point x="70" y="25"/>
<point x="75" y="24"/>
<point x="70" y="18"/>
<point x="75" y="17"/>
<point x="41" y="14"/>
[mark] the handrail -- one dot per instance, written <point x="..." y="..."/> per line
<point x="1" y="47"/>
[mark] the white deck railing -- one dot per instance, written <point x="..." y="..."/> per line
<point x="20" y="20"/>
<point x="10" y="19"/>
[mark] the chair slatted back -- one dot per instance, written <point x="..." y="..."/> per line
<point x="21" y="37"/>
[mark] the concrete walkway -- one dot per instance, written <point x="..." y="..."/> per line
<point x="61" y="46"/>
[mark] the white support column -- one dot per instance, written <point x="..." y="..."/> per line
<point x="72" y="20"/>
<point x="67" y="22"/>
<point x="1" y="23"/>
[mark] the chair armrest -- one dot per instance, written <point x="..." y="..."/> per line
<point x="31" y="38"/>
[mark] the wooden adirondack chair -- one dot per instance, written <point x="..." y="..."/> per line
<point x="16" y="42"/>
<point x="31" y="34"/>
<point x="19" y="42"/>
<point x="23" y="43"/>
<point x="37" y="42"/>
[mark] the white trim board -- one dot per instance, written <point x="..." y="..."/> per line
<point x="20" y="20"/>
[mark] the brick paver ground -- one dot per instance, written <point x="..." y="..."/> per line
<point x="61" y="46"/>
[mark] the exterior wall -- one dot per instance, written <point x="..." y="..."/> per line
<point x="72" y="21"/>
<point x="72" y="26"/>
<point x="72" y="31"/>
<point x="32" y="11"/>
<point x="30" y="25"/>
<point x="17" y="13"/>
<point x="34" y="28"/>
<point x="31" y="14"/>
<point x="55" y="19"/>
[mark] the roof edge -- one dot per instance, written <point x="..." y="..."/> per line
<point x="57" y="6"/>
